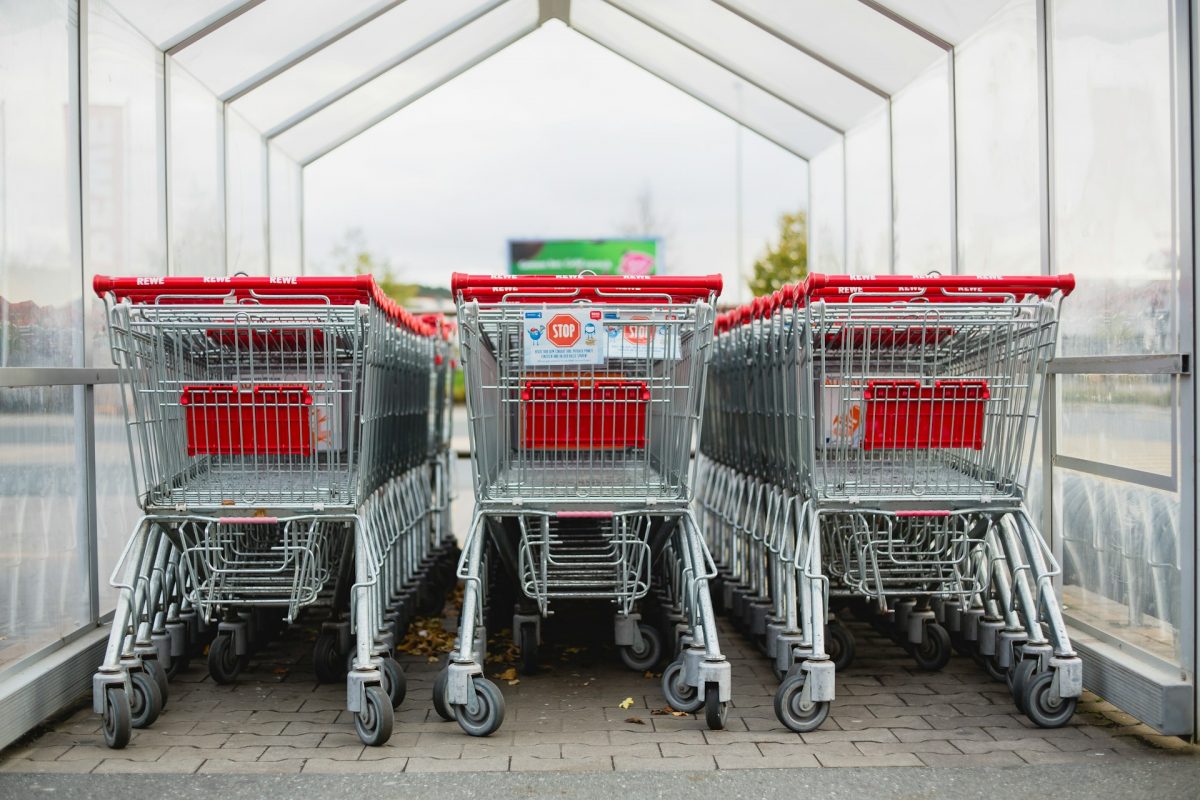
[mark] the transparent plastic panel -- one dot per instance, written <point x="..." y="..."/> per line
<point x="40" y="283"/>
<point x="759" y="57"/>
<point x="701" y="78"/>
<point x="1125" y="420"/>
<point x="849" y="34"/>
<point x="952" y="20"/>
<point x="868" y="198"/>
<point x="286" y="214"/>
<point x="245" y="197"/>
<point x="1114" y="167"/>
<point x="43" y="555"/>
<point x="126" y="162"/>
<point x="167" y="22"/>
<point x="922" y="187"/>
<point x="263" y="37"/>
<point x="1121" y="559"/>
<point x="117" y="509"/>
<point x="413" y="78"/>
<point x="387" y="40"/>
<point x="995" y="84"/>
<point x="195" y="178"/>
<point x="827" y="227"/>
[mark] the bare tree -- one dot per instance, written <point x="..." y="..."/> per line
<point x="645" y="218"/>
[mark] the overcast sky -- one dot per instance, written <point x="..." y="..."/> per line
<point x="552" y="137"/>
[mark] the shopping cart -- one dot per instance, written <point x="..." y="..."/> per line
<point x="583" y="394"/>
<point x="279" y="436"/>
<point x="895" y="418"/>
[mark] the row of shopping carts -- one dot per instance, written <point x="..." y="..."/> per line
<point x="584" y="394"/>
<point x="290" y="448"/>
<point x="867" y="442"/>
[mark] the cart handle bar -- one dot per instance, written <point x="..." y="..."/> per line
<point x="596" y="288"/>
<point x="339" y="290"/>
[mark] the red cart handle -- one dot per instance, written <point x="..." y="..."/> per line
<point x="339" y="290"/>
<point x="598" y="288"/>
<point x="937" y="288"/>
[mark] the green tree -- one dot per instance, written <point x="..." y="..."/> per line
<point x="785" y="261"/>
<point x="352" y="256"/>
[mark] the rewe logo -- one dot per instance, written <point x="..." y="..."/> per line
<point x="562" y="330"/>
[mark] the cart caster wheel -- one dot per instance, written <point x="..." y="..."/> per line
<point x="1018" y="678"/>
<point x="647" y="655"/>
<point x="394" y="681"/>
<point x="158" y="672"/>
<point x="680" y="696"/>
<point x="962" y="645"/>
<point x="374" y="723"/>
<point x="224" y="665"/>
<point x="934" y="650"/>
<point x="991" y="667"/>
<point x="840" y="645"/>
<point x="779" y="674"/>
<point x="529" y="649"/>
<point x="146" y="703"/>
<point x="328" y="663"/>
<point x="484" y="715"/>
<point x="794" y="712"/>
<point x="118" y="718"/>
<point x="178" y="664"/>
<point x="443" y="709"/>
<point x="1042" y="707"/>
<point x="715" y="712"/>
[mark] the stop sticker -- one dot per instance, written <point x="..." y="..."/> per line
<point x="637" y="334"/>
<point x="562" y="330"/>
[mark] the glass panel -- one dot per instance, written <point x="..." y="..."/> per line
<point x="761" y="58"/>
<point x="43" y="573"/>
<point x="196" y="178"/>
<point x="1121" y="560"/>
<point x="40" y="286"/>
<point x="384" y="42"/>
<point x="952" y="20"/>
<point x="165" y="23"/>
<point x="921" y="174"/>
<point x="401" y="85"/>
<point x="701" y="78"/>
<point x="286" y="210"/>
<point x="1118" y="419"/>
<point x="1114" y="175"/>
<point x="246" y="197"/>
<point x="117" y="509"/>
<point x="263" y="37"/>
<point x="995" y="84"/>
<point x="849" y="34"/>
<point x="828" y="224"/>
<point x="126" y="161"/>
<point x="868" y="198"/>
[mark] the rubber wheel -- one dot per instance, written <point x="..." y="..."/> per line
<point x="840" y="645"/>
<point x="224" y="665"/>
<point x="715" y="711"/>
<point x="157" y="671"/>
<point x="440" y="705"/>
<point x="991" y="667"/>
<point x="394" y="681"/>
<point x="680" y="696"/>
<point x="1018" y="678"/>
<point x="118" y="718"/>
<point x="793" y="712"/>
<point x="648" y="654"/>
<point x="485" y="716"/>
<point x="178" y="664"/>
<point x="374" y="723"/>
<point x="962" y="645"/>
<point x="145" y="703"/>
<point x="934" y="650"/>
<point x="1042" y="707"/>
<point x="328" y="664"/>
<point x="529" y="649"/>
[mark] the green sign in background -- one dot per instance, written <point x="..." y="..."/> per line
<point x="572" y="256"/>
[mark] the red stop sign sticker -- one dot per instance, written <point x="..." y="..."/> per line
<point x="637" y="334"/>
<point x="562" y="330"/>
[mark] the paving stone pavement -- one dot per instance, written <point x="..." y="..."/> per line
<point x="569" y="717"/>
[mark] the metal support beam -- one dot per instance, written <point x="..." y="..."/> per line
<point x="331" y="36"/>
<point x="905" y="22"/>
<point x="704" y="53"/>
<point x="18" y="377"/>
<point x="388" y="65"/>
<point x="190" y="38"/>
<point x="554" y="9"/>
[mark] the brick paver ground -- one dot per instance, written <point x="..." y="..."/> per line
<point x="569" y="717"/>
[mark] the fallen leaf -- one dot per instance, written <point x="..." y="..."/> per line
<point x="635" y="720"/>
<point x="509" y="674"/>
<point x="432" y="659"/>
<point x="627" y="703"/>
<point x="514" y="681"/>
<point x="280" y="671"/>
<point x="647" y="674"/>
